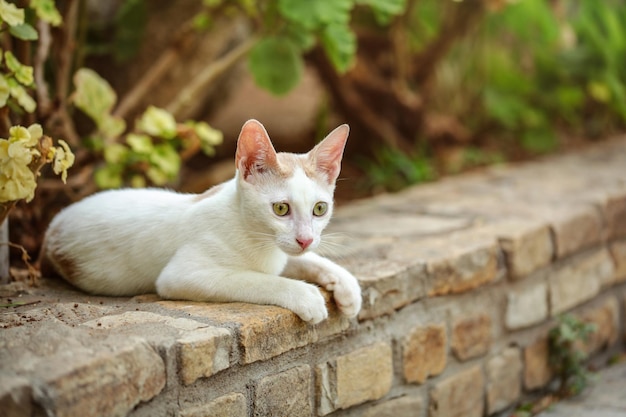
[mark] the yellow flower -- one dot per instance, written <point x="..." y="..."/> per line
<point x="63" y="160"/>
<point x="21" y="134"/>
<point x="14" y="157"/>
<point x="20" y="186"/>
<point x="36" y="132"/>
<point x="20" y="153"/>
<point x="16" y="179"/>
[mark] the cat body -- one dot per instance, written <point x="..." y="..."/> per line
<point x="250" y="239"/>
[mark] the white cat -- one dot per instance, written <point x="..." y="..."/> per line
<point x="231" y="243"/>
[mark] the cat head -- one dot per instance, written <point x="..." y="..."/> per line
<point x="288" y="197"/>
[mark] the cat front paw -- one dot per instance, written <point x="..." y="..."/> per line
<point x="345" y="288"/>
<point x="310" y="305"/>
<point x="347" y="294"/>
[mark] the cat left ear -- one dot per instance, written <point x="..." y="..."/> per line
<point x="255" y="152"/>
<point x="328" y="153"/>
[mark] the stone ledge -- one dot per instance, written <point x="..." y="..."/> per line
<point x="461" y="281"/>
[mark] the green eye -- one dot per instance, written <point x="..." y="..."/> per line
<point x="320" y="209"/>
<point x="281" y="209"/>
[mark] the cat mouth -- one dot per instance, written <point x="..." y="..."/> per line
<point x="295" y="251"/>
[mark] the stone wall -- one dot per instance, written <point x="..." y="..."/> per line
<point x="462" y="280"/>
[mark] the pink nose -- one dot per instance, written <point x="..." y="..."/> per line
<point x="304" y="243"/>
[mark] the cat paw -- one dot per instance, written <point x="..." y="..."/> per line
<point x="347" y="294"/>
<point x="311" y="305"/>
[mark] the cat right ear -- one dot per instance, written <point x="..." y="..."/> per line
<point x="255" y="152"/>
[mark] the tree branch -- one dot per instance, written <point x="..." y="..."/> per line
<point x="200" y="82"/>
<point x="354" y="107"/>
<point x="65" y="51"/>
<point x="44" y="104"/>
<point x="168" y="58"/>
<point x="459" y="19"/>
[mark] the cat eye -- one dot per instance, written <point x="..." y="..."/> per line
<point x="320" y="208"/>
<point x="281" y="209"/>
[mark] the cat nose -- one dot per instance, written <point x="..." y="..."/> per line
<point x="304" y="242"/>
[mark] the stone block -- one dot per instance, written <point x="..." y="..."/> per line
<point x="287" y="394"/>
<point x="394" y="286"/>
<point x="202" y="353"/>
<point x="605" y="319"/>
<point x="504" y="380"/>
<point x="130" y="318"/>
<point x="15" y="396"/>
<point x="471" y="336"/>
<point x="579" y="280"/>
<point x="527" y="246"/>
<point x="615" y="214"/>
<point x="618" y="252"/>
<point x="386" y="284"/>
<point x="537" y="371"/>
<point x="424" y="352"/>
<point x="576" y="228"/>
<point x="526" y="305"/>
<point x="109" y="383"/>
<point x="264" y="331"/>
<point x="265" y="336"/>
<point x="397" y="407"/>
<point x="454" y="264"/>
<point x="230" y="405"/>
<point x="362" y="375"/>
<point x="460" y="395"/>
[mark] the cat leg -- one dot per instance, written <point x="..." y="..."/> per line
<point x="190" y="276"/>
<point x="314" y="268"/>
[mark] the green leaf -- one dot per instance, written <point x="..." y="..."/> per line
<point x="24" y="32"/>
<point x="384" y="10"/>
<point x="137" y="181"/>
<point x="23" y="73"/>
<point x="157" y="176"/>
<point x="333" y="11"/>
<point x="276" y="64"/>
<point x="115" y="153"/>
<point x="11" y="14"/>
<point x="301" y="12"/>
<point x="140" y="143"/>
<point x="339" y="43"/>
<point x="302" y="38"/>
<point x="21" y="95"/>
<point x="93" y="96"/>
<point x="166" y="159"/>
<point x="111" y="127"/>
<point x="209" y="137"/>
<point x="504" y="108"/>
<point x="157" y="122"/>
<point x="315" y="14"/>
<point x="540" y="140"/>
<point x="47" y="11"/>
<point x="5" y="91"/>
<point x="108" y="176"/>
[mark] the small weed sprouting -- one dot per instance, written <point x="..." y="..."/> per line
<point x="567" y="355"/>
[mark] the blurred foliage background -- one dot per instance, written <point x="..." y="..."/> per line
<point x="153" y="92"/>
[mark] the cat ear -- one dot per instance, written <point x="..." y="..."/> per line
<point x="255" y="152"/>
<point x="327" y="154"/>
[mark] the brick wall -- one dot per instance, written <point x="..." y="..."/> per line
<point x="462" y="280"/>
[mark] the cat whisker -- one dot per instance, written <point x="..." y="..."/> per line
<point x="330" y="249"/>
